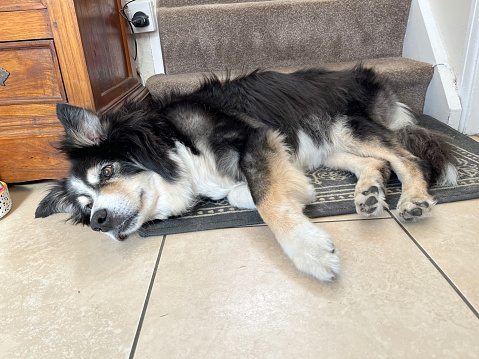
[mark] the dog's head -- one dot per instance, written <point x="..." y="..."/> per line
<point x="119" y="163"/>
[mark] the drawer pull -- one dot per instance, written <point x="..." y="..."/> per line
<point x="3" y="76"/>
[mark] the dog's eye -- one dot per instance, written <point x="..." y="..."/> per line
<point x="107" y="171"/>
<point x="89" y="205"/>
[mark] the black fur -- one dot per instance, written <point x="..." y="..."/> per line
<point x="249" y="139"/>
<point x="433" y="148"/>
<point x="134" y="133"/>
<point x="60" y="200"/>
<point x="232" y="117"/>
<point x="286" y="102"/>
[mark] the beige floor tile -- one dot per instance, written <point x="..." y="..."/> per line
<point x="66" y="291"/>
<point x="232" y="293"/>
<point x="451" y="238"/>
<point x="475" y="138"/>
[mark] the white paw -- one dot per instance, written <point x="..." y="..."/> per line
<point x="240" y="197"/>
<point x="311" y="251"/>
<point x="410" y="209"/>
<point x="370" y="201"/>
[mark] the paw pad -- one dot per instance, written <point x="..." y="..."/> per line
<point x="415" y="210"/>
<point x="423" y="204"/>
<point x="371" y="202"/>
<point x="372" y="189"/>
<point x="412" y="215"/>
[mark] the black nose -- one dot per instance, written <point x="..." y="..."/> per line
<point x="100" y="221"/>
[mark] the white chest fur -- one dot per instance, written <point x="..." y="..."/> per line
<point x="203" y="173"/>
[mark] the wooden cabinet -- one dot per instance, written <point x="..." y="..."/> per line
<point x="51" y="51"/>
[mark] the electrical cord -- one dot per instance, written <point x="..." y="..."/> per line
<point x="123" y="15"/>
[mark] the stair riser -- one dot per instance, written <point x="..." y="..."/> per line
<point x="266" y="34"/>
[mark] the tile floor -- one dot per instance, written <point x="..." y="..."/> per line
<point x="405" y="291"/>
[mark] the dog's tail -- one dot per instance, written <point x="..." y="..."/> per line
<point x="433" y="148"/>
<point x="436" y="152"/>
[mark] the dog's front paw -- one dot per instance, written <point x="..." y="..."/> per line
<point x="240" y="197"/>
<point x="411" y="209"/>
<point x="311" y="251"/>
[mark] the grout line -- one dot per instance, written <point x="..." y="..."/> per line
<point x="349" y="220"/>
<point x="319" y="220"/>
<point x="438" y="268"/>
<point x="147" y="299"/>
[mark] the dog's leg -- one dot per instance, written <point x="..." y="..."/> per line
<point x="372" y="174"/>
<point x="415" y="201"/>
<point x="280" y="192"/>
<point x="240" y="197"/>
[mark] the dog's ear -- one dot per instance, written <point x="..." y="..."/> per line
<point x="56" y="201"/>
<point x="82" y="126"/>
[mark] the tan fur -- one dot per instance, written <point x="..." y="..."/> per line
<point x="118" y="186"/>
<point x="126" y="191"/>
<point x="406" y="167"/>
<point x="371" y="172"/>
<point x="403" y="163"/>
<point x="288" y="191"/>
<point x="367" y="166"/>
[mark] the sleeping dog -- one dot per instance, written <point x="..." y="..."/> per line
<point x="250" y="139"/>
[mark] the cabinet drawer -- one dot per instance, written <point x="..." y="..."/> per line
<point x="33" y="73"/>
<point x="25" y="25"/>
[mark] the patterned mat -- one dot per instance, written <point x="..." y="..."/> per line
<point x="334" y="193"/>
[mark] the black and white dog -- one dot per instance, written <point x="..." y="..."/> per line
<point x="250" y="139"/>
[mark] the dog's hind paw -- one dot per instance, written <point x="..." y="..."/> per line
<point x="412" y="209"/>
<point x="370" y="201"/>
<point x="312" y="252"/>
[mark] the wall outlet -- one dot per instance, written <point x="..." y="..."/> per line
<point x="144" y="6"/>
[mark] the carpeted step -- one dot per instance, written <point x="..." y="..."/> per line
<point x="279" y="33"/>
<point x="409" y="78"/>
<point x="179" y="3"/>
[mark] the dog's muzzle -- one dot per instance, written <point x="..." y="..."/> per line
<point x="104" y="221"/>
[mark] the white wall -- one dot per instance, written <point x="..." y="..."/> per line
<point x="149" y="59"/>
<point x="469" y="89"/>
<point x="445" y="33"/>
<point x="457" y="22"/>
<point x="144" y="61"/>
<point x="423" y="42"/>
<point x="452" y="19"/>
